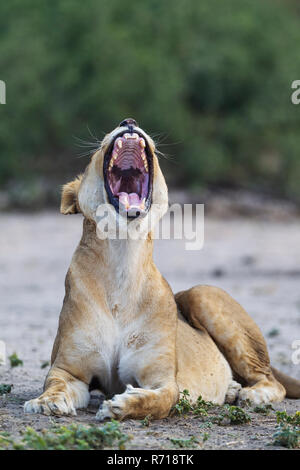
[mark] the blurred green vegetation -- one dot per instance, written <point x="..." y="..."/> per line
<point x="209" y="79"/>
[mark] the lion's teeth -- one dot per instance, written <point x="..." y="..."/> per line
<point x="131" y="136"/>
<point x="111" y="163"/>
<point x="145" y="161"/>
<point x="142" y="143"/>
<point x="120" y="143"/>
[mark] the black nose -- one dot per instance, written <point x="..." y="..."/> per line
<point x="128" y="122"/>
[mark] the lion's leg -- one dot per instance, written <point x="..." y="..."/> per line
<point x="139" y="403"/>
<point x="156" y="391"/>
<point x="233" y="391"/>
<point x="63" y="393"/>
<point x="238" y="337"/>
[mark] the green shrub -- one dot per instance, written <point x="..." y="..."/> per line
<point x="282" y="417"/>
<point x="5" y="389"/>
<point x="15" y="361"/>
<point x="185" y="443"/>
<point x="185" y="405"/>
<point x="73" y="437"/>
<point x="232" y="415"/>
<point x="214" y="77"/>
<point x="287" y="436"/>
<point x="263" y="409"/>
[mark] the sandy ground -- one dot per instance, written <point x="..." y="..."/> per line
<point x="256" y="261"/>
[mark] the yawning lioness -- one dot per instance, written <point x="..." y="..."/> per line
<point x="121" y="329"/>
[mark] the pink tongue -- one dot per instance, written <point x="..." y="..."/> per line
<point x="129" y="200"/>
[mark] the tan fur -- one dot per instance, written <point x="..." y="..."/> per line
<point x="237" y="336"/>
<point x="69" y="203"/>
<point x="120" y="325"/>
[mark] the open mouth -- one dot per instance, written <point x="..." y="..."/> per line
<point x="128" y="174"/>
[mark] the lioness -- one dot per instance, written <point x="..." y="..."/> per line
<point x="121" y="330"/>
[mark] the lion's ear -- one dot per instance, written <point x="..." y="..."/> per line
<point x="69" y="202"/>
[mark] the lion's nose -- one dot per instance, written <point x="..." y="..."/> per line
<point x="128" y="122"/>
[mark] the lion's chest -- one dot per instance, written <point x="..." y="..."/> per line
<point x="114" y="350"/>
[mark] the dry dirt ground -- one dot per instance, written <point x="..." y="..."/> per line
<point x="256" y="261"/>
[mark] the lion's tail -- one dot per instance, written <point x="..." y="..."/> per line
<point x="292" y="386"/>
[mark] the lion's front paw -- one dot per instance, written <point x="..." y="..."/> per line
<point x="111" y="409"/>
<point x="105" y="411"/>
<point x="257" y="396"/>
<point x="232" y="392"/>
<point x="118" y="407"/>
<point x="59" y="405"/>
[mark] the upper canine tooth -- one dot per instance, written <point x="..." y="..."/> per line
<point x="120" y="143"/>
<point x="142" y="143"/>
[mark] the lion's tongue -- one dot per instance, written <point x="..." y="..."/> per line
<point x="129" y="200"/>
